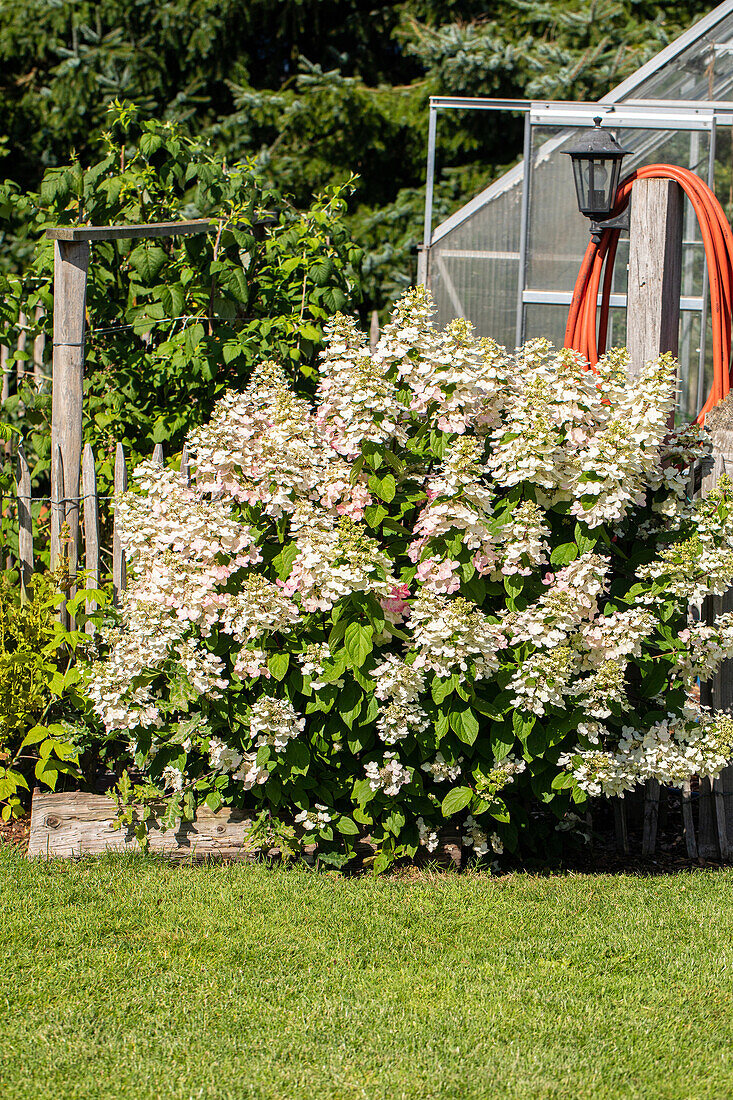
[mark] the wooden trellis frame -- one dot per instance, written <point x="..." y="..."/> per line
<point x="70" y="272"/>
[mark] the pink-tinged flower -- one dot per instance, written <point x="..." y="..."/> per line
<point x="484" y="563"/>
<point x="395" y="605"/>
<point x="439" y="576"/>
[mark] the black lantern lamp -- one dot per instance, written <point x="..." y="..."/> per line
<point x="596" y="157"/>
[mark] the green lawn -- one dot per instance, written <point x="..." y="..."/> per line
<point x="131" y="978"/>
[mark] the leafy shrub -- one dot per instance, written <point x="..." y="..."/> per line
<point x="42" y="713"/>
<point x="173" y="322"/>
<point x="453" y="587"/>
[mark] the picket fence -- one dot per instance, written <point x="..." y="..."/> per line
<point x="79" y="516"/>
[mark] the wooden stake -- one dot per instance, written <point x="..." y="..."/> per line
<point x="185" y="466"/>
<point x="4" y="354"/>
<point x="58" y="518"/>
<point x="22" y="339"/>
<point x="39" y="348"/>
<point x="158" y="454"/>
<point x="91" y="527"/>
<point x="25" y="520"/>
<point x="687" y="820"/>
<point x="119" y="566"/>
<point x="374" y="330"/>
<point x="71" y="263"/>
<point x="620" y="826"/>
<point x="651" y="816"/>
<point x="653" y="321"/>
<point x="716" y="798"/>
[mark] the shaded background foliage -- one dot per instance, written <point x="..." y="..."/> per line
<point x="317" y="89"/>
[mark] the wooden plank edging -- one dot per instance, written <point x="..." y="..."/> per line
<point x="74" y="824"/>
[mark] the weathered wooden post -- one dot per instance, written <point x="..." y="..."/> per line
<point x="652" y="326"/>
<point x="71" y="263"/>
<point x="655" y="271"/>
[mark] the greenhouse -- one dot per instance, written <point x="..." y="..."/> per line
<point x="508" y="259"/>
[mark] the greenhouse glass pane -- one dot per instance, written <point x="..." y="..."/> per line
<point x="474" y="269"/>
<point x="703" y="71"/>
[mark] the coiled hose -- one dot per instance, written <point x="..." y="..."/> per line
<point x="717" y="236"/>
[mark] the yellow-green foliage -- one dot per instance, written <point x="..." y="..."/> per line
<point x="28" y="656"/>
<point x="41" y="709"/>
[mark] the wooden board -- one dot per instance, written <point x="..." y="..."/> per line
<point x="78" y="824"/>
<point x="79" y="233"/>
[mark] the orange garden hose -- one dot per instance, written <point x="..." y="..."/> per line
<point x="581" y="334"/>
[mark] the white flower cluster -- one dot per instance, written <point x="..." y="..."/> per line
<point x="274" y="722"/>
<point x="706" y="648"/>
<point x="524" y="539"/>
<point x="312" y="662"/>
<point x="616" y="636"/>
<point x="398" y="720"/>
<point x="356" y="400"/>
<point x="391" y="776"/>
<point x="394" y="679"/>
<point x="440" y="770"/>
<point x="428" y="837"/>
<point x="317" y="818"/>
<point x="544" y="679"/>
<point x="259" y="607"/>
<point x="450" y="635"/>
<point x="590" y="437"/>
<point x="671" y="750"/>
<point x="477" y="838"/>
<point x="335" y="557"/>
<point x="242" y="766"/>
<point x="702" y="564"/>
<point x="571" y="597"/>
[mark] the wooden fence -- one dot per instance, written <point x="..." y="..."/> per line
<point x="78" y="515"/>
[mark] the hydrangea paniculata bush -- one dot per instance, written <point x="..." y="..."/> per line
<point x="457" y="583"/>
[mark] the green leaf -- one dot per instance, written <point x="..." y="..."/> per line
<point x="298" y="755"/>
<point x="214" y="801"/>
<point x="464" y="724"/>
<point x="394" y="822"/>
<point x="358" y="644"/>
<point x="283" y="563"/>
<point x="374" y="514"/>
<point x="564" y="554"/>
<point x="523" y="724"/>
<point x="654" y="681"/>
<point x="38" y="733"/>
<point x="584" y="542"/>
<point x="384" y="487"/>
<point x="277" y="664"/>
<point x="150" y="143"/>
<point x="347" y="827"/>
<point x="456" y="800"/>
<point x="440" y="688"/>
<point x="513" y="583"/>
<point x="148" y="260"/>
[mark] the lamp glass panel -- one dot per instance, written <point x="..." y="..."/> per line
<point x="600" y="198"/>
<point x="581" y="183"/>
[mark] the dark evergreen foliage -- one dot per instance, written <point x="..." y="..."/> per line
<point x="317" y="89"/>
